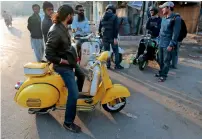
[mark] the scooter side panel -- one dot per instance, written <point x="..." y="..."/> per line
<point x="117" y="91"/>
<point x="38" y="96"/>
<point x="53" y="79"/>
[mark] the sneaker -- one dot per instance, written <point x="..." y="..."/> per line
<point x="72" y="127"/>
<point x="162" y="79"/>
<point x="157" y="75"/>
<point x="118" y="67"/>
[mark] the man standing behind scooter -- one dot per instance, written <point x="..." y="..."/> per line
<point x="47" y="22"/>
<point x="34" y="26"/>
<point x="108" y="30"/>
<point x="168" y="38"/>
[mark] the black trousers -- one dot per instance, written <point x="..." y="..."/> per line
<point x="79" y="73"/>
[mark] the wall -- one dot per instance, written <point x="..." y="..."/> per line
<point x="190" y="14"/>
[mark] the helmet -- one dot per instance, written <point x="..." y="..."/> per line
<point x="110" y="6"/>
<point x="155" y="9"/>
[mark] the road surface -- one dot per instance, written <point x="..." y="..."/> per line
<point x="170" y="110"/>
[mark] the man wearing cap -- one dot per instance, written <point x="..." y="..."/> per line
<point x="170" y="30"/>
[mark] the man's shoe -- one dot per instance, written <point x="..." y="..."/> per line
<point x="173" y="67"/>
<point x="118" y="67"/>
<point x="108" y="67"/>
<point x="162" y="79"/>
<point x="72" y="127"/>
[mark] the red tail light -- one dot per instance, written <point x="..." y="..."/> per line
<point x="18" y="84"/>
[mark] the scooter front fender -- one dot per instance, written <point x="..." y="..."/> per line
<point x="117" y="91"/>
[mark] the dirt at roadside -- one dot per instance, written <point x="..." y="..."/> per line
<point x="191" y="48"/>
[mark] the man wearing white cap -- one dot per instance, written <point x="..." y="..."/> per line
<point x="169" y="33"/>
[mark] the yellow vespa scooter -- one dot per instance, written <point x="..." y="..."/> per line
<point x="44" y="88"/>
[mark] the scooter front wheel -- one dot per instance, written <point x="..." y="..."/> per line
<point x="115" y="105"/>
<point x="142" y="65"/>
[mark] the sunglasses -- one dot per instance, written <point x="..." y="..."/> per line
<point x="81" y="10"/>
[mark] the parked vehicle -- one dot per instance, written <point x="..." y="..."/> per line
<point x="148" y="51"/>
<point x="44" y="88"/>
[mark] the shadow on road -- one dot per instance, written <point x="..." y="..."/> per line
<point x="97" y="124"/>
<point x="48" y="127"/>
<point x="14" y="31"/>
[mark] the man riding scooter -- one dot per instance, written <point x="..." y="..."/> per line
<point x="153" y="26"/>
<point x="7" y="18"/>
<point x="80" y="27"/>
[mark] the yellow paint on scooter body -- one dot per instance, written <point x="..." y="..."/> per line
<point x="49" y="90"/>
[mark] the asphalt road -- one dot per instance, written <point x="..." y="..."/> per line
<point x="170" y="110"/>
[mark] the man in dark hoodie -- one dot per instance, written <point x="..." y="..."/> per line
<point x="108" y="30"/>
<point x="47" y="22"/>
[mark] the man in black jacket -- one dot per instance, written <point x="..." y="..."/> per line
<point x="34" y="26"/>
<point x="108" y="30"/>
<point x="60" y="52"/>
<point x="47" y="22"/>
<point x="154" y="23"/>
<point x="153" y="27"/>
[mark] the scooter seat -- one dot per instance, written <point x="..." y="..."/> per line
<point x="35" y="65"/>
<point x="35" y="69"/>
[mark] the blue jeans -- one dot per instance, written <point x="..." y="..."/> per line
<point x="115" y="49"/>
<point x="69" y="78"/>
<point x="175" y="56"/>
<point x="164" y="61"/>
<point x="38" y="46"/>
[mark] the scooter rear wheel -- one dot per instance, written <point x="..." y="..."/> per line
<point x="109" y="107"/>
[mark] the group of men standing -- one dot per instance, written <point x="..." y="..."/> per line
<point x="54" y="31"/>
<point x="108" y="30"/>
<point x="39" y="29"/>
<point x="166" y="32"/>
